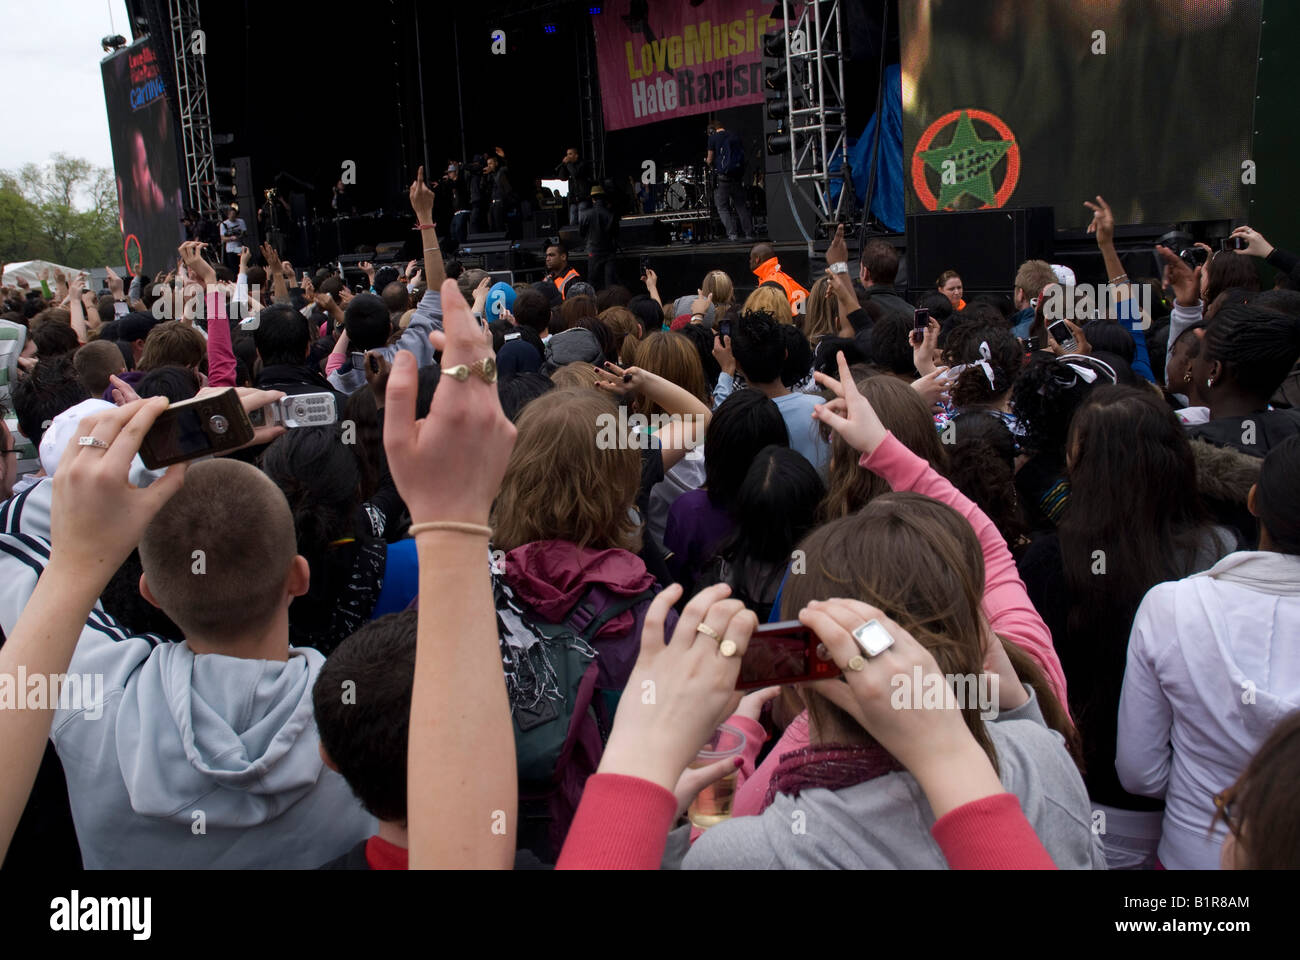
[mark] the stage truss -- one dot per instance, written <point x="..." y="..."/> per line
<point x="814" y="70"/>
<point x="192" y="106"/>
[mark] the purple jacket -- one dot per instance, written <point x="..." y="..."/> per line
<point x="132" y="377"/>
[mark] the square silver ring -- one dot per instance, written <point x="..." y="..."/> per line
<point x="872" y="638"/>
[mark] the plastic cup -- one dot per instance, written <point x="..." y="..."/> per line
<point x="713" y="804"/>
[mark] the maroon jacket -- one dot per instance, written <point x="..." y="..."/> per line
<point x="551" y="576"/>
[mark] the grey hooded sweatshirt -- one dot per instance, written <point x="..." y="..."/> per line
<point x="201" y="762"/>
<point x="180" y="761"/>
<point x="884" y="824"/>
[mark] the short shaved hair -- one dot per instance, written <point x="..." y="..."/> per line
<point x="763" y="251"/>
<point x="241" y="522"/>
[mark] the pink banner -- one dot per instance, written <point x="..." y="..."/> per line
<point x="679" y="59"/>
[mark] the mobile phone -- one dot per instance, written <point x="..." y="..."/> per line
<point x="373" y="361"/>
<point x="645" y="265"/>
<point x="298" y="410"/>
<point x="920" y="319"/>
<point x="786" y="652"/>
<point x="196" y="428"/>
<point x="724" y="328"/>
<point x="358" y="358"/>
<point x="1232" y="243"/>
<point x="1061" y="334"/>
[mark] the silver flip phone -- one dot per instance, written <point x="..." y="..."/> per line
<point x="301" y="410"/>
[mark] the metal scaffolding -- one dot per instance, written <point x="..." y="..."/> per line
<point x="192" y="107"/>
<point x="814" y="69"/>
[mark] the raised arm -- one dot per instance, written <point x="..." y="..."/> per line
<point x="461" y="780"/>
<point x="1006" y="604"/>
<point x="87" y="545"/>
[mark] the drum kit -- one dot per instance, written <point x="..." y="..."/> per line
<point x="685" y="188"/>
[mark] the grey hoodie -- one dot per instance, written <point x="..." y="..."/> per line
<point x="885" y="823"/>
<point x="181" y="761"/>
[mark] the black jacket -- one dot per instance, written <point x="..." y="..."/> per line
<point x="600" y="229"/>
<point x="579" y="176"/>
<point x="295" y="378"/>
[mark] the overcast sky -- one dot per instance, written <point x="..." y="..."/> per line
<point x="51" y="90"/>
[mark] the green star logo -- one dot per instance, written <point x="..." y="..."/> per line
<point x="972" y="162"/>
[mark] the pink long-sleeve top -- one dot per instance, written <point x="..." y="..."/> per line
<point x="1007" y="606"/>
<point x="221" y="353"/>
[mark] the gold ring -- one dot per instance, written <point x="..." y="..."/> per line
<point x="707" y="630"/>
<point x="485" y="370"/>
<point x="727" y="648"/>
<point x="857" y="663"/>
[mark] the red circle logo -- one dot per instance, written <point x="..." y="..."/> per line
<point x="1012" y="156"/>
<point x="132" y="263"/>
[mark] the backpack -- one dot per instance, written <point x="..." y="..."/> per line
<point x="731" y="157"/>
<point x="560" y="722"/>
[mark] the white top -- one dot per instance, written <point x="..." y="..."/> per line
<point x="1213" y="666"/>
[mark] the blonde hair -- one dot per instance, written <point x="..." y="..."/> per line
<point x="772" y="300"/>
<point x="724" y="292"/>
<point x="823" y="316"/>
<point x="575" y="376"/>
<point x="589" y="502"/>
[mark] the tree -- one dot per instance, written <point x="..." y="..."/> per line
<point x="64" y="210"/>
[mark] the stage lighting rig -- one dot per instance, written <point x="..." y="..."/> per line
<point x="115" y="42"/>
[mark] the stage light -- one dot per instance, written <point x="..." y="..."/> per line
<point x="778" y="143"/>
<point x="115" y="42"/>
<point x="774" y="45"/>
<point x="775" y="78"/>
<point x="549" y="28"/>
<point x="778" y="109"/>
<point x="594" y="11"/>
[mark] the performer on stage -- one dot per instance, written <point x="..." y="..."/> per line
<point x="727" y="158"/>
<point x="578" y="172"/>
<point x="233" y="229"/>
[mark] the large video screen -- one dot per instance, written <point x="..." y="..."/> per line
<point x="149" y="198"/>
<point x="1019" y="103"/>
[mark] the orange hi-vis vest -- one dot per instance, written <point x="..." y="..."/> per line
<point x="770" y="270"/>
<point x="562" y="282"/>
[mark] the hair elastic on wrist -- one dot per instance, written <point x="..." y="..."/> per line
<point x="454" y="526"/>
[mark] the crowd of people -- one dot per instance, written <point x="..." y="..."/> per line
<point x="472" y="624"/>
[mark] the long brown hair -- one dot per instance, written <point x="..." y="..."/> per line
<point x="673" y="357"/>
<point x="920" y="562"/>
<point x="623" y="323"/>
<point x="848" y="486"/>
<point x="589" y="501"/>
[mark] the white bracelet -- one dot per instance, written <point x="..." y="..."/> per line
<point x="840" y="267"/>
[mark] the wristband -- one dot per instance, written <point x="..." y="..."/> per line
<point x="424" y="226"/>
<point x="453" y="525"/>
<point x="840" y="267"/>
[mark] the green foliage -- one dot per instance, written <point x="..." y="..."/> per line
<point x="64" y="211"/>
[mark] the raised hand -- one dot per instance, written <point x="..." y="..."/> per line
<point x="1103" y="221"/>
<point x="438" y="473"/>
<point x="838" y="251"/>
<point x="678" y="693"/>
<point x="1256" y="245"/>
<point x="850" y="414"/>
<point x="114" y="284"/>
<point x="421" y="199"/>
<point x="1185" y="281"/>
<point x="722" y="353"/>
